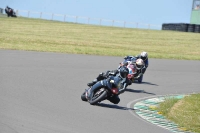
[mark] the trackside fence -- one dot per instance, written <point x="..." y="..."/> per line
<point x="86" y="20"/>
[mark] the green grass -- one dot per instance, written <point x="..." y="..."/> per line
<point x="52" y="36"/>
<point x="184" y="112"/>
<point x="166" y="106"/>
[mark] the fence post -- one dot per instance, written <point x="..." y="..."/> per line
<point x="40" y="15"/>
<point x="52" y="17"/>
<point x="88" y="20"/>
<point x="124" y="24"/>
<point x="17" y="12"/>
<point x="64" y="18"/>
<point x="100" y="22"/>
<point x="28" y="13"/>
<point x="149" y="27"/>
<point x="136" y="25"/>
<point x="76" y="18"/>
<point x="113" y="22"/>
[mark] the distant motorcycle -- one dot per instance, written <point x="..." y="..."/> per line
<point x="134" y="74"/>
<point x="102" y="90"/>
<point x="132" y="70"/>
<point x="10" y="12"/>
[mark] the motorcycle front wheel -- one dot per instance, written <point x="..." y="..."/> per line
<point x="83" y="97"/>
<point x="98" y="97"/>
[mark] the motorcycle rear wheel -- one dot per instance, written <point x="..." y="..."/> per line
<point x="98" y="98"/>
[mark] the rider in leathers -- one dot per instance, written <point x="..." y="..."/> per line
<point x="143" y="55"/>
<point x="104" y="75"/>
<point x="124" y="82"/>
<point x="8" y="10"/>
<point x="142" y="70"/>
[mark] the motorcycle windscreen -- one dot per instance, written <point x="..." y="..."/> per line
<point x="118" y="82"/>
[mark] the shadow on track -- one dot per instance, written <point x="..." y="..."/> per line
<point x="147" y="83"/>
<point x="113" y="106"/>
<point x="139" y="91"/>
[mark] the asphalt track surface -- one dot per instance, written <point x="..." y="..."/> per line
<point x="40" y="92"/>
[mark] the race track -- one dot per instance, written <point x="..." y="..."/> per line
<point x="40" y="92"/>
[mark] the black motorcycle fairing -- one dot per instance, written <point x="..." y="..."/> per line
<point x="10" y="12"/>
<point x="108" y="84"/>
<point x="112" y="82"/>
<point x="94" y="88"/>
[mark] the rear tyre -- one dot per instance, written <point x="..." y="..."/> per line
<point x="83" y="97"/>
<point x="98" y="98"/>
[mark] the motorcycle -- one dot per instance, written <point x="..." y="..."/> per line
<point x="136" y="75"/>
<point x="132" y="69"/>
<point x="10" y="12"/>
<point x="104" y="89"/>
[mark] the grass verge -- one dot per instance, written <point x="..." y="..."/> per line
<point x="184" y="112"/>
<point x="53" y="36"/>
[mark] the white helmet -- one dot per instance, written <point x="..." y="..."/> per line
<point x="139" y="64"/>
<point x="144" y="55"/>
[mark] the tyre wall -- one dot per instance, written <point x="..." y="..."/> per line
<point x="1" y="10"/>
<point x="183" y="27"/>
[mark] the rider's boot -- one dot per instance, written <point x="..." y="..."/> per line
<point x="99" y="77"/>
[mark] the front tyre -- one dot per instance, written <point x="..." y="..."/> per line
<point x="83" y="97"/>
<point x="98" y="97"/>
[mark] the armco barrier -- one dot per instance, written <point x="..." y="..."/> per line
<point x="183" y="27"/>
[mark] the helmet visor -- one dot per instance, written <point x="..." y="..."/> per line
<point x="143" y="58"/>
<point x="139" y="66"/>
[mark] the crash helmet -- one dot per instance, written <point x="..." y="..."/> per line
<point x="139" y="64"/>
<point x="123" y="72"/>
<point x="144" y="55"/>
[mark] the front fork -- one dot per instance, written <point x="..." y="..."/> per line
<point x="87" y="93"/>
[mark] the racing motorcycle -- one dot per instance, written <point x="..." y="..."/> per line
<point x="104" y="89"/>
<point x="132" y="69"/>
<point x="10" y="12"/>
<point x="134" y="74"/>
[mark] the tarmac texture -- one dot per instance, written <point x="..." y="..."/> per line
<point x="40" y="92"/>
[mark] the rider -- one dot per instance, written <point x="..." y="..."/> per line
<point x="104" y="75"/>
<point x="122" y="75"/>
<point x="143" y="55"/>
<point x="8" y="9"/>
<point x="139" y="66"/>
<point x="140" y="69"/>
